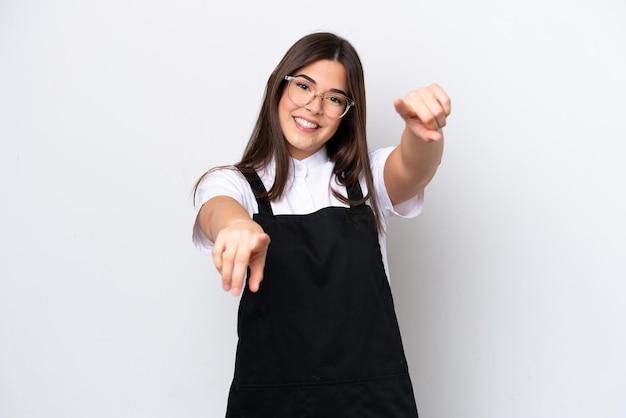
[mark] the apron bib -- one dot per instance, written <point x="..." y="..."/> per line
<point x="320" y="338"/>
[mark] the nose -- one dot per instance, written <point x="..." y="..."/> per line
<point x="315" y="106"/>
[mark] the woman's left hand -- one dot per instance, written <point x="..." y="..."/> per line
<point x="425" y="111"/>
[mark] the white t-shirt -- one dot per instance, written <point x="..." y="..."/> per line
<point x="308" y="190"/>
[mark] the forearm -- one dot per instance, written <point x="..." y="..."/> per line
<point x="411" y="166"/>
<point x="419" y="159"/>
<point x="221" y="212"/>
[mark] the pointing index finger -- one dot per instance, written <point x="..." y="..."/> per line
<point x="404" y="110"/>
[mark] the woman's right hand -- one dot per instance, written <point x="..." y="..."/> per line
<point x="239" y="242"/>
<point x="240" y="245"/>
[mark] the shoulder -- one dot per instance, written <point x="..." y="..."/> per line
<point x="379" y="156"/>
<point x="224" y="181"/>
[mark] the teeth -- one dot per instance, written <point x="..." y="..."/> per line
<point x="306" y="124"/>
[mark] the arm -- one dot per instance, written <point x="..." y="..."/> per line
<point x="239" y="242"/>
<point x="413" y="163"/>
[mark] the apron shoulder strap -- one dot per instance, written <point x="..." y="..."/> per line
<point x="355" y="194"/>
<point x="260" y="193"/>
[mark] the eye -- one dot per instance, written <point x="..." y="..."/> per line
<point x="336" y="100"/>
<point x="303" y="85"/>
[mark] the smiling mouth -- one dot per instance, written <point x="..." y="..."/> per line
<point x="305" y="124"/>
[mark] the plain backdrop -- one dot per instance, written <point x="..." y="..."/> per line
<point x="509" y="287"/>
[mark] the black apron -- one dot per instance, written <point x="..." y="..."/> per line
<point x="320" y="338"/>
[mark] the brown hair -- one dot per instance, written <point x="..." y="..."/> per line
<point x="347" y="148"/>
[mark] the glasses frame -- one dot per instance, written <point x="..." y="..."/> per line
<point x="350" y="102"/>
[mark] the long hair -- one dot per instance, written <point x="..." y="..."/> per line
<point x="348" y="146"/>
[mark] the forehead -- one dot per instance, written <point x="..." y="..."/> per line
<point x="326" y="74"/>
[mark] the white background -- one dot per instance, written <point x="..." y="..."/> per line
<point x="509" y="287"/>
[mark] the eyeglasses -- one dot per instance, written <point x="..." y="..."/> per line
<point x="301" y="91"/>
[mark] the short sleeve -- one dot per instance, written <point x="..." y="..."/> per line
<point x="409" y="209"/>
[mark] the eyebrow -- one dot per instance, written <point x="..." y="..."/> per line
<point x="315" y="82"/>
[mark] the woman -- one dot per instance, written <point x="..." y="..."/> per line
<point x="301" y="218"/>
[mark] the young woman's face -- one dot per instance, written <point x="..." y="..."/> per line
<point x="306" y="128"/>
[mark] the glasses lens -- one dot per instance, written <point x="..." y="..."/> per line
<point x="335" y="105"/>
<point x="302" y="92"/>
